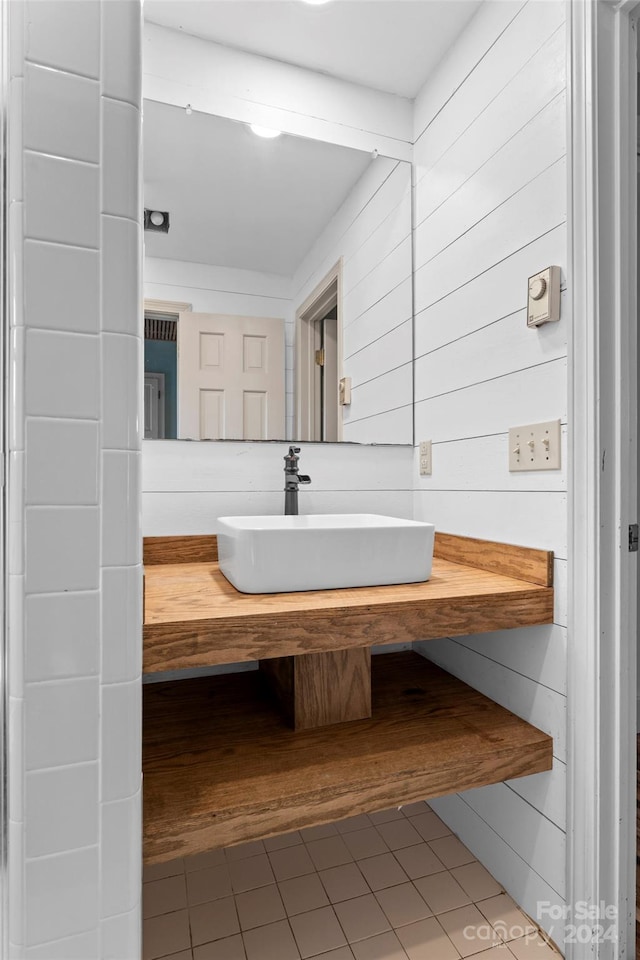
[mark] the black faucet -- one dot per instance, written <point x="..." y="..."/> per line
<point x="291" y="480"/>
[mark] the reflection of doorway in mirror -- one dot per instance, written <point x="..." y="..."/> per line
<point x="326" y="377"/>
<point x="319" y="360"/>
<point x="154" y="406"/>
<point x="230" y="377"/>
<point x="160" y="365"/>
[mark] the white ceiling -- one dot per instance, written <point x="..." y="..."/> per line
<point x="390" y="45"/>
<point x="235" y="199"/>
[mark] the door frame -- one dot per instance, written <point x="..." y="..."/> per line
<point x="601" y="669"/>
<point x="170" y="308"/>
<point x="318" y="302"/>
<point x="5" y="407"/>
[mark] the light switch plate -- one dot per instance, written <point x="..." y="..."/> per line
<point x="344" y="391"/>
<point x="425" y="458"/>
<point x="543" y="297"/>
<point x="535" y="446"/>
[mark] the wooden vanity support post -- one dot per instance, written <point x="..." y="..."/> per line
<point x="317" y="689"/>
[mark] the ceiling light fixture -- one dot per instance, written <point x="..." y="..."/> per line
<point x="267" y="132"/>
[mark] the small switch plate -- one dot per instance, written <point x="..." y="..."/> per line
<point x="425" y="458"/>
<point x="344" y="391"/>
<point x="535" y="446"/>
<point x="543" y="297"/>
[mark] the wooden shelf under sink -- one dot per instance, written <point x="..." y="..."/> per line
<point x="222" y="767"/>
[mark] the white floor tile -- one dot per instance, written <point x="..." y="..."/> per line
<point x="362" y="918"/>
<point x="317" y="932"/>
<point x="307" y="895"/>
<point x="273" y="942"/>
<point x="302" y="894"/>
<point x="344" y="882"/>
<point x="402" y="905"/>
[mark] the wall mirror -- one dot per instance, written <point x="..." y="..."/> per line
<point x="278" y="306"/>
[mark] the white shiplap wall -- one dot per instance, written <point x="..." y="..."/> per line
<point x="180" y="69"/>
<point x="242" y="293"/>
<point x="371" y="232"/>
<point x="490" y="210"/>
<point x="187" y="486"/>
<point x="211" y="289"/>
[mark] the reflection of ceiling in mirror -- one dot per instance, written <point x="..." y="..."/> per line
<point x="237" y="200"/>
<point x="390" y="45"/>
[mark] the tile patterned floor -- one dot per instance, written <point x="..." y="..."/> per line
<point x="395" y="885"/>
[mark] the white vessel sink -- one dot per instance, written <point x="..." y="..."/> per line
<point x="323" y="552"/>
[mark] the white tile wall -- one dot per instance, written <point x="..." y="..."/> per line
<point x="64" y="195"/>
<point x="61" y="723"/>
<point x="120" y="845"/>
<point x="64" y="34"/>
<point x="74" y="390"/>
<point x="120" y="363"/>
<point x="69" y="269"/>
<point x="74" y="531"/>
<point x="120" y="746"/>
<point x="62" y="895"/>
<point x="122" y="656"/>
<point x="62" y="461"/>
<point x="62" y="549"/>
<point x="62" y="808"/>
<point x="121" y="142"/>
<point x="62" y="635"/>
<point x="61" y="114"/>
<point x="490" y="205"/>
<point x="120" y="271"/>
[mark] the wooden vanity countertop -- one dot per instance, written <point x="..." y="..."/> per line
<point x="194" y="617"/>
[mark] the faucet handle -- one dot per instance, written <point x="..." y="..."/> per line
<point x="304" y="478"/>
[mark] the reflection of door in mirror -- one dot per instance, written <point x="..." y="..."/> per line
<point x="231" y="377"/>
<point x="318" y="339"/>
<point x="326" y="381"/>
<point x="154" y="406"/>
<point x="160" y="374"/>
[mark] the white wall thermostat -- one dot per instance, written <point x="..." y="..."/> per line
<point x="543" y="299"/>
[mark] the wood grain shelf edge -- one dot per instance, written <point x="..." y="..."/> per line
<point x="185" y="549"/>
<point x="194" y="643"/>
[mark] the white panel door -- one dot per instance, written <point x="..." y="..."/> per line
<point x="230" y="377"/>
